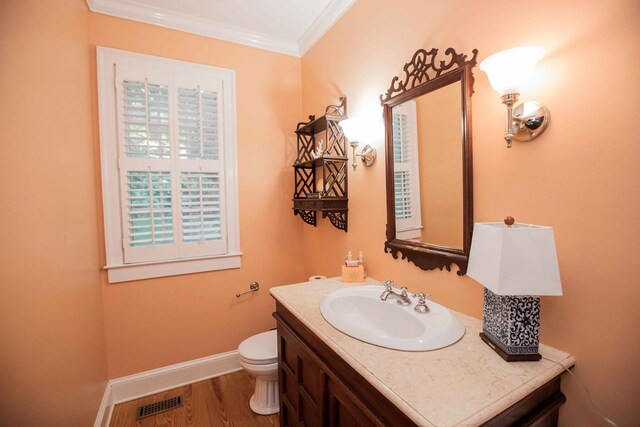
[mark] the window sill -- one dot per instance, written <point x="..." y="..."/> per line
<point x="149" y="270"/>
<point x="409" y="233"/>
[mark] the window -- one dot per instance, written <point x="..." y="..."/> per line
<point x="168" y="155"/>
<point x="406" y="172"/>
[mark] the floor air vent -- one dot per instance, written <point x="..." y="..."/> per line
<point x="162" y="406"/>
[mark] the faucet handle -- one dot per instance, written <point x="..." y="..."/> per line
<point x="404" y="291"/>
<point x="388" y="284"/>
<point x="421" y="295"/>
<point x="421" y="306"/>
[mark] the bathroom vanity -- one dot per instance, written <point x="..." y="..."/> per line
<point x="329" y="378"/>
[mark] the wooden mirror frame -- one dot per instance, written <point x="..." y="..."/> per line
<point x="423" y="74"/>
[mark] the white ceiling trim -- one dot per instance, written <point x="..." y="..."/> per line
<point x="203" y="27"/>
<point x="128" y="9"/>
<point x="323" y="23"/>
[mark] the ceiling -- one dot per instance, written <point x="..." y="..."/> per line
<point x="286" y="26"/>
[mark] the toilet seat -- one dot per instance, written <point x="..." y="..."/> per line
<point x="258" y="362"/>
<point x="261" y="349"/>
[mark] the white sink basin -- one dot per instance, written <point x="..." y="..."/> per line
<point x="358" y="312"/>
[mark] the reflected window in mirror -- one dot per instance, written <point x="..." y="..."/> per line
<point x="406" y="173"/>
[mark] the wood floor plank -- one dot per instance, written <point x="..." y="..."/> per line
<point x="216" y="403"/>
<point x="221" y="401"/>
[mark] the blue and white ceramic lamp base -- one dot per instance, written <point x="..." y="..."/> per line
<point x="511" y="325"/>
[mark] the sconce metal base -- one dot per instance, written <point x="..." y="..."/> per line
<point x="524" y="121"/>
<point x="530" y="120"/>
<point x="368" y="155"/>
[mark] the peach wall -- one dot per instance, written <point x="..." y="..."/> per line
<point x="52" y="352"/>
<point x="581" y="176"/>
<point x="157" y="322"/>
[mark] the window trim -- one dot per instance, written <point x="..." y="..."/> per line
<point x="116" y="268"/>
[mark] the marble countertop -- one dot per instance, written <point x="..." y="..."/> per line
<point x="464" y="384"/>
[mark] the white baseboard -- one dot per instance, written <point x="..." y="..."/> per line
<point x="161" y="379"/>
<point x="150" y="382"/>
<point x="106" y="408"/>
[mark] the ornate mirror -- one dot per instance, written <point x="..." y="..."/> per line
<point x="427" y="115"/>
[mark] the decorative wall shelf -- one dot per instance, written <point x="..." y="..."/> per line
<point x="321" y="182"/>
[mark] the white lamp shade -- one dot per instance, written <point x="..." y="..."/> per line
<point x="350" y="128"/>
<point x="520" y="260"/>
<point x="509" y="70"/>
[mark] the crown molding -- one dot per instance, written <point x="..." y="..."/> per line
<point x="332" y="13"/>
<point x="134" y="11"/>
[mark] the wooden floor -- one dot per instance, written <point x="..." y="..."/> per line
<point x="221" y="401"/>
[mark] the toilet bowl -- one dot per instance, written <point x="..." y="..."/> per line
<point x="259" y="357"/>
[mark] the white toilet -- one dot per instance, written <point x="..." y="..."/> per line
<point x="259" y="357"/>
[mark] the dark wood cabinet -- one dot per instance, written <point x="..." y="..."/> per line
<point x="321" y="181"/>
<point x="302" y="382"/>
<point x="318" y="388"/>
<point x="346" y="409"/>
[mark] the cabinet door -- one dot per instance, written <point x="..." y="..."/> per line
<point x="301" y="381"/>
<point x="345" y="409"/>
<point x="317" y="387"/>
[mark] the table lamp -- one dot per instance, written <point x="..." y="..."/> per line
<point x="516" y="263"/>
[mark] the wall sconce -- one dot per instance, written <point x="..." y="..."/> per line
<point x="508" y="71"/>
<point x="516" y="263"/>
<point x="351" y="128"/>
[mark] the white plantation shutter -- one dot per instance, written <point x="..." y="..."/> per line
<point x="402" y="165"/>
<point x="402" y="182"/>
<point x="149" y="208"/>
<point x="198" y="123"/>
<point x="201" y="207"/>
<point x="171" y="175"/>
<point x="199" y="130"/>
<point x="145" y="119"/>
<point x="144" y="115"/>
<point x="406" y="171"/>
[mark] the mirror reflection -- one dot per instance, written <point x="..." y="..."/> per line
<point x="428" y="168"/>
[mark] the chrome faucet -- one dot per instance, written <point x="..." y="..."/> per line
<point x="421" y="306"/>
<point x="402" y="297"/>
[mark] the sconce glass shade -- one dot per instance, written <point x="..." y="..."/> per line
<point x="520" y="260"/>
<point x="349" y="128"/>
<point x="509" y="70"/>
